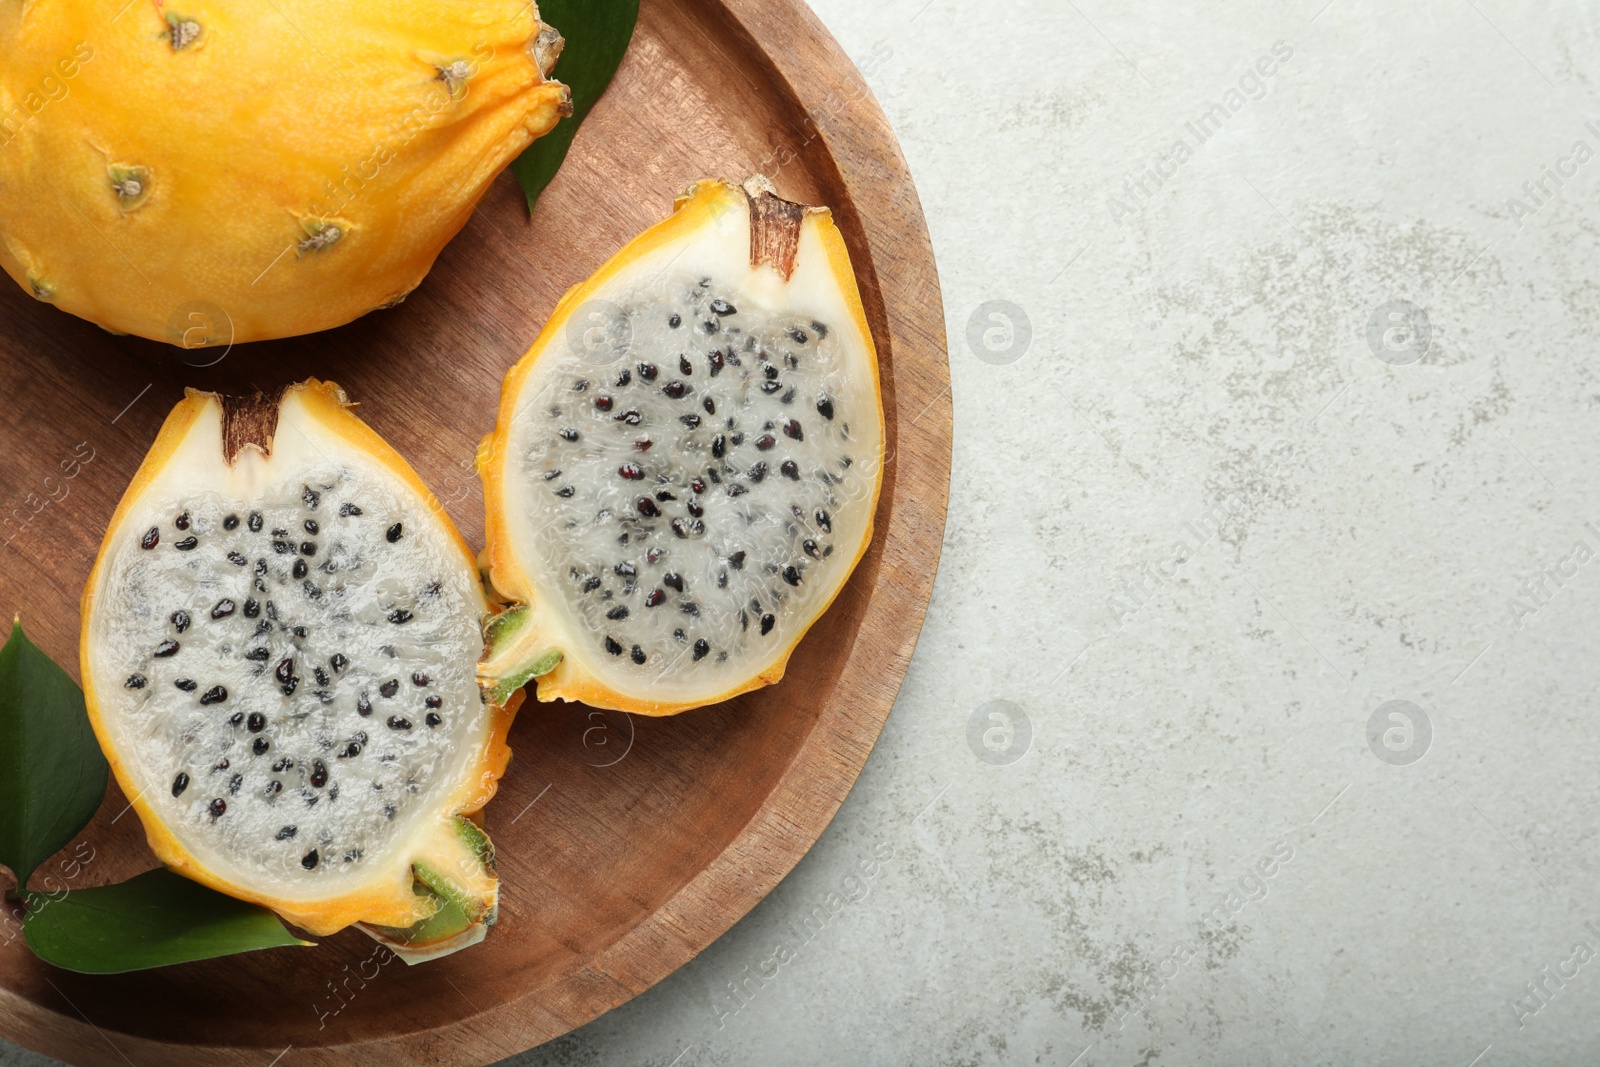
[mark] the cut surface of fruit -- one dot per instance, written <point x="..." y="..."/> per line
<point x="279" y="655"/>
<point x="687" y="461"/>
<point x="225" y="172"/>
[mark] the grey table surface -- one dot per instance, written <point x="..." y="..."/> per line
<point x="1253" y="720"/>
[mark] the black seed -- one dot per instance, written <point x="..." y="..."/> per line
<point x="767" y="623"/>
<point x="319" y="774"/>
<point x="710" y="405"/>
<point x="551" y="476"/>
<point x="182" y="521"/>
<point x="135" y="681"/>
<point x="631" y="471"/>
<point x="766" y="441"/>
<point x="338" y="662"/>
<point x="758" y="472"/>
<point x="221" y="766"/>
<point x="624" y="378"/>
<point x="389" y="688"/>
<point x="690" y="608"/>
<point x="701" y="648"/>
<point x="788" y="396"/>
<point x="218" y="806"/>
<point x="400" y="616"/>
<point x="252" y="608"/>
<point x="432" y="719"/>
<point x="612" y="647"/>
<point x="282" y="548"/>
<point x="284" y="670"/>
<point x="792" y="429"/>
<point x="618" y="612"/>
<point x="698" y="486"/>
<point x="420" y="680"/>
<point x="590" y="584"/>
<point x="722" y="307"/>
<point x="675" y="389"/>
<point x="363" y="705"/>
<point x="351" y="751"/>
<point x="309" y="860"/>
<point x="680" y="527"/>
<point x="810" y="547"/>
<point x="235" y="719"/>
<point x="654" y="597"/>
<point x="603" y="402"/>
<point x="825" y="408"/>
<point x="347" y="510"/>
<point x="673" y="581"/>
<point x="236" y="559"/>
<point x="824" y="521"/>
<point x="790" y="469"/>
<point x="224" y="608"/>
<point x="736" y="561"/>
<point x="691" y="421"/>
<point x="311" y="526"/>
<point x="395" y="533"/>
<point x="167" y="648"/>
<point x="272" y="788"/>
<point x="231" y="522"/>
<point x="637" y="655"/>
<point x="714" y="358"/>
<point x="434" y="701"/>
<point x="298" y="631"/>
<point x="744" y="621"/>
<point x="580" y="385"/>
<point x="179" y="784"/>
<point x="321" y="675"/>
<point x="308" y="548"/>
<point x="260" y="745"/>
<point x="188" y="685"/>
<point x="398" y="723"/>
<point x="738" y="438"/>
<point x="180" y="619"/>
<point x="287" y="832"/>
<point x="311" y="497"/>
<point x="215" y="695"/>
<point x="769" y="387"/>
<point x="791" y="575"/>
<point x="680" y="636"/>
<point x="710" y="326"/>
<point x="256" y="723"/>
<point x="255" y="522"/>
<point x="565" y="491"/>
<point x="234" y="783"/>
<point x="256" y="654"/>
<point x="647" y="507"/>
<point x="648" y="371"/>
<point x="684" y="366"/>
<point x="737" y="490"/>
<point x="719" y="446"/>
<point x="291" y="686"/>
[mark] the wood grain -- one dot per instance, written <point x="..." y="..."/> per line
<point x="626" y="845"/>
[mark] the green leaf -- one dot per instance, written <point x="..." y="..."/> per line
<point x="152" y="920"/>
<point x="597" y="33"/>
<point x="52" y="773"/>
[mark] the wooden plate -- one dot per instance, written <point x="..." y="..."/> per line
<point x="626" y="845"/>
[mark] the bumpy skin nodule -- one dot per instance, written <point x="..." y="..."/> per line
<point x="687" y="461"/>
<point x="280" y="646"/>
<point x="229" y="172"/>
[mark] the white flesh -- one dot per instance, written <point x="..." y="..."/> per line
<point x="364" y="821"/>
<point x="567" y="542"/>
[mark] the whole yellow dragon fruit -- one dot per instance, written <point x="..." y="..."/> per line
<point x="216" y="171"/>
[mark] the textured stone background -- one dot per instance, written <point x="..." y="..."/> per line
<point x="1205" y="526"/>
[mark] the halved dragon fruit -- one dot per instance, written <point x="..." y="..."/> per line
<point x="280" y="648"/>
<point x="687" y="461"/>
